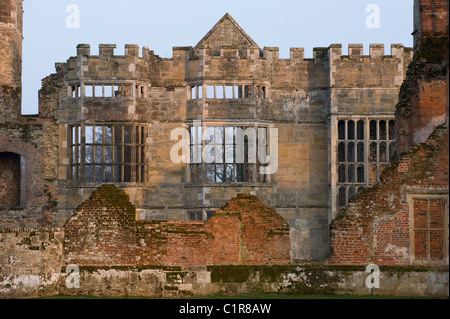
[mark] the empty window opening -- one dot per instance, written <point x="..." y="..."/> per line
<point x="108" y="91"/>
<point x="392" y="130"/>
<point x="383" y="155"/>
<point x="341" y="173"/>
<point x="360" y="151"/>
<point x="240" y="91"/>
<point x="351" y="152"/>
<point x="210" y="92"/>
<point x="107" y="153"/>
<point x="360" y="174"/>
<point x="383" y="132"/>
<point x="220" y="94"/>
<point x="351" y="174"/>
<point x="364" y="149"/>
<point x="195" y="216"/>
<point x="98" y="90"/>
<point x="75" y="91"/>
<point x="373" y="130"/>
<point x="341" y="130"/>
<point x="351" y="130"/>
<point x="360" y="129"/>
<point x="229" y="92"/>
<point x="12" y="180"/>
<point x="229" y="157"/>
<point x="341" y="152"/>
<point x="88" y="91"/>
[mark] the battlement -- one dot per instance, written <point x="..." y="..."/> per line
<point x="107" y="50"/>
<point x="376" y="51"/>
<point x="334" y="51"/>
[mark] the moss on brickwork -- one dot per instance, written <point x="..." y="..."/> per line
<point x="429" y="62"/>
<point x="230" y="274"/>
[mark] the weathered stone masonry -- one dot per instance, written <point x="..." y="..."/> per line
<point x="89" y="180"/>
<point x="223" y="82"/>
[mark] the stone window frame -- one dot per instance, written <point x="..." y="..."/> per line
<point x="360" y="169"/>
<point x="202" y="214"/>
<point x="101" y="90"/>
<point x="136" y="144"/>
<point x="410" y="196"/>
<point x="244" y="90"/>
<point x="257" y="179"/>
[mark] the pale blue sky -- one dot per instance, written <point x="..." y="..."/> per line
<point x="160" y="25"/>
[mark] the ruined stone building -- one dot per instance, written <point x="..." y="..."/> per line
<point x="108" y="119"/>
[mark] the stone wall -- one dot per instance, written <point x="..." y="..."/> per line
<point x="176" y="282"/>
<point x="300" y="94"/>
<point x="37" y="206"/>
<point x="30" y="261"/>
<point x="235" y="280"/>
<point x="10" y="59"/>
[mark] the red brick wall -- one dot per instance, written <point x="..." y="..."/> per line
<point x="103" y="232"/>
<point x="375" y="227"/>
<point x="265" y="234"/>
<point x="423" y="97"/>
<point x="225" y="245"/>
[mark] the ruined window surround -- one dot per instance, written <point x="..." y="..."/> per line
<point x="412" y="196"/>
<point x="107" y="153"/>
<point x="364" y="148"/>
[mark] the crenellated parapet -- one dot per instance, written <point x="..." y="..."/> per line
<point x="376" y="69"/>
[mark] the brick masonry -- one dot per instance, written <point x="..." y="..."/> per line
<point x="423" y="97"/>
<point x="375" y="227"/>
<point x="103" y="231"/>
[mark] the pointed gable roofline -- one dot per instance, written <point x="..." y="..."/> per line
<point x="237" y="29"/>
